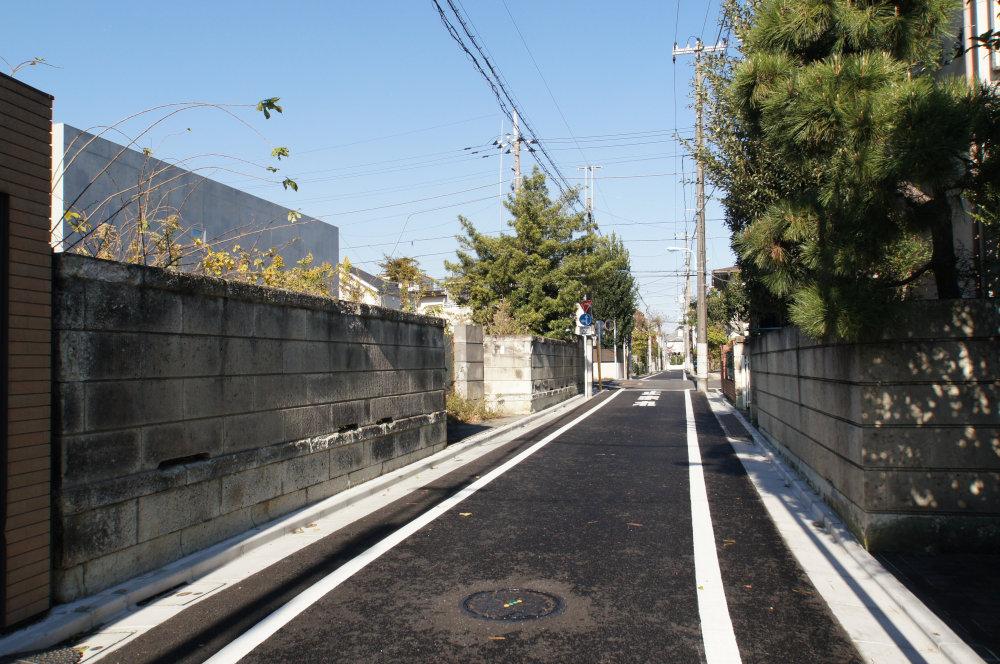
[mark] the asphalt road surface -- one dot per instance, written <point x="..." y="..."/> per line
<point x="629" y="525"/>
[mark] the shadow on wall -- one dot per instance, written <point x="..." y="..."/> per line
<point x="901" y="433"/>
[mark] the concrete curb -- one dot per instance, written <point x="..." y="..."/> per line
<point x="78" y="617"/>
<point x="935" y="629"/>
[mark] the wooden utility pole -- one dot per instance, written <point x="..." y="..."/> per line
<point x="697" y="50"/>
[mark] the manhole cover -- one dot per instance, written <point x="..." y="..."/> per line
<point x="511" y="604"/>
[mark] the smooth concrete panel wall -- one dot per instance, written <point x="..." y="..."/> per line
<point x="95" y="176"/>
<point x="525" y="374"/>
<point x="190" y="409"/>
<point x="902" y="433"/>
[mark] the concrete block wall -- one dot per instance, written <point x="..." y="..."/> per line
<point x="191" y="409"/>
<point x="900" y="434"/>
<point x="25" y="350"/>
<point x="525" y="374"/>
<point x="467" y="361"/>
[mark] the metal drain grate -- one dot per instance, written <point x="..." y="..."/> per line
<point x="511" y="604"/>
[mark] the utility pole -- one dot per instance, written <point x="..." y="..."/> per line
<point x="697" y="50"/>
<point x="516" y="148"/>
<point x="649" y="352"/>
<point x="687" y="306"/>
<point x="619" y="375"/>
<point x="501" y="144"/>
<point x="589" y="171"/>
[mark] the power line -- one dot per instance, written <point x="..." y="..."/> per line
<point x="402" y="133"/>
<point x="544" y="82"/>
<point x="391" y="205"/>
<point x="500" y="91"/>
<point x="443" y="207"/>
<point x="386" y="190"/>
<point x="627" y="135"/>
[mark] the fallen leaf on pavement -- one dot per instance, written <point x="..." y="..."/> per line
<point x="465" y="513"/>
<point x="728" y="542"/>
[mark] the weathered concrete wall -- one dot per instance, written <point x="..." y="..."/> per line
<point x="208" y="209"/>
<point x="25" y="342"/>
<point x="900" y="434"/>
<point x="192" y="409"/>
<point x="467" y="361"/>
<point x="525" y="374"/>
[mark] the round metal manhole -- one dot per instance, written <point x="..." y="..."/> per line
<point x="511" y="604"/>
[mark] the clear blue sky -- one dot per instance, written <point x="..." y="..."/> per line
<point x="379" y="102"/>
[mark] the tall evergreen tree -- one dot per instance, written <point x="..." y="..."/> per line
<point x="845" y="156"/>
<point x="539" y="271"/>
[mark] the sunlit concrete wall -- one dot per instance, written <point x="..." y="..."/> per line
<point x="524" y="374"/>
<point x="900" y="434"/>
<point x="191" y="409"/>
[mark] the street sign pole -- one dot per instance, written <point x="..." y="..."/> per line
<point x="585" y="328"/>
<point x="599" y="326"/>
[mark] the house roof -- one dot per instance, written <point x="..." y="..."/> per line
<point x="722" y="275"/>
<point x="378" y="283"/>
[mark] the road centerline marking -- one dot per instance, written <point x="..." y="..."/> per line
<point x="256" y="635"/>
<point x="713" y="609"/>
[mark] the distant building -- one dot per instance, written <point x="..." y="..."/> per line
<point x="977" y="242"/>
<point x="736" y="329"/>
<point x="367" y="288"/>
<point x="433" y="300"/>
<point x="105" y="181"/>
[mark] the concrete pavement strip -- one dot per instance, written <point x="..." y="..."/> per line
<point x="885" y="620"/>
<point x="121" y="608"/>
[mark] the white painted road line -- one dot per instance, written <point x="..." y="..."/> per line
<point x="713" y="610"/>
<point x="886" y="622"/>
<point x="266" y="628"/>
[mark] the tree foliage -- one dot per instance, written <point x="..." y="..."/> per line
<point x="351" y="288"/>
<point x="844" y="156"/>
<point x="406" y="273"/>
<point x="267" y="268"/>
<point x="540" y="271"/>
<point x="145" y="228"/>
<point x="646" y="331"/>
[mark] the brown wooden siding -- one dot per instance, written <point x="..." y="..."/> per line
<point x="25" y="180"/>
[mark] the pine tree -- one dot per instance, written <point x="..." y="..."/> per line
<point x="845" y="156"/>
<point x="540" y="270"/>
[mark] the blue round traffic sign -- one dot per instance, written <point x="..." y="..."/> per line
<point x="586" y="320"/>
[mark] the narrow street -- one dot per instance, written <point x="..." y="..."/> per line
<point x="590" y="520"/>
